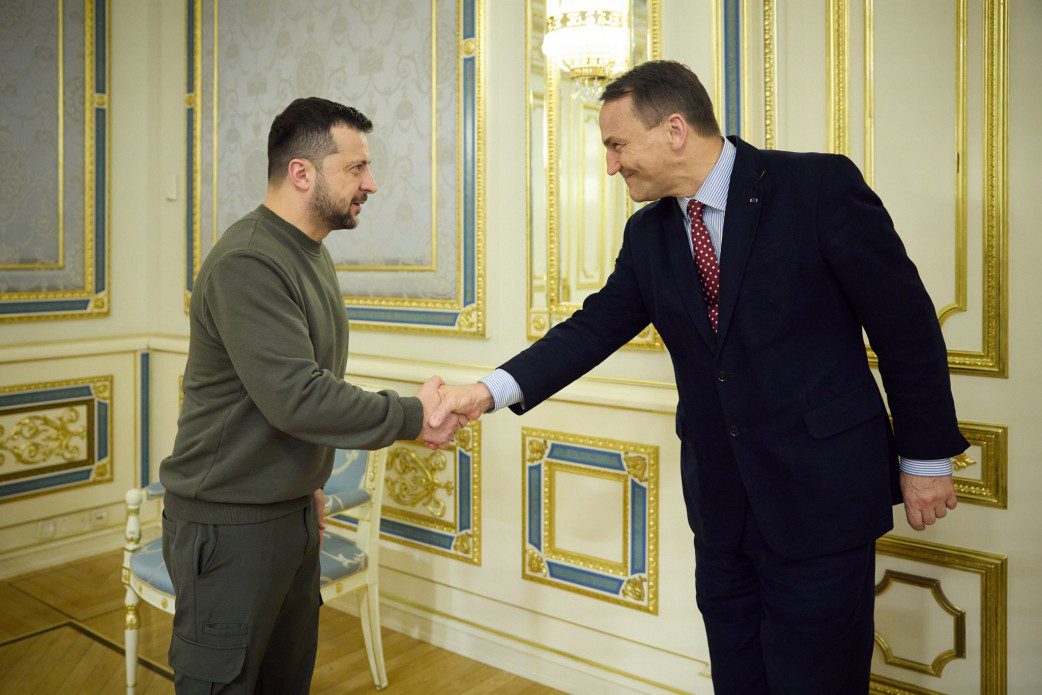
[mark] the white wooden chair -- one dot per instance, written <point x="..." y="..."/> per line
<point x="347" y="565"/>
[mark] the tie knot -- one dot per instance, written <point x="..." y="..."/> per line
<point x="694" y="209"/>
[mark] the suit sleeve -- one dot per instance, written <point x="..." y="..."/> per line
<point x="862" y="248"/>
<point x="608" y="319"/>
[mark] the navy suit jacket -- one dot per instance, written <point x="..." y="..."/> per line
<point x="778" y="410"/>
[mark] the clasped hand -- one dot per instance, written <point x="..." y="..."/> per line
<point x="446" y="409"/>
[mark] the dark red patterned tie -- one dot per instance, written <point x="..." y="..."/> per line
<point x="705" y="259"/>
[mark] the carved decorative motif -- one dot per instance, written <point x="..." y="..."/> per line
<point x="413" y="480"/>
<point x="637" y="467"/>
<point x="37" y="438"/>
<point x="634" y="588"/>
<point x="535" y="562"/>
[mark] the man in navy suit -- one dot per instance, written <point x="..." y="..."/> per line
<point x="760" y="269"/>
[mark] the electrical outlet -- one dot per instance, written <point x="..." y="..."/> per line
<point x="47" y="529"/>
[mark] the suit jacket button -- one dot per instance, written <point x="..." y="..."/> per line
<point x="722" y="376"/>
<point x="734" y="430"/>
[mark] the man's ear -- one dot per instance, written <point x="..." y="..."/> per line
<point x="300" y="174"/>
<point x="676" y="131"/>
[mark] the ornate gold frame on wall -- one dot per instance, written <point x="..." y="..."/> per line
<point x="993" y="359"/>
<point x="93" y="300"/>
<point x="991" y="569"/>
<point x="633" y="582"/>
<point x="96" y="395"/>
<point x="990" y="489"/>
<point x="463" y="315"/>
<point x="538" y="320"/>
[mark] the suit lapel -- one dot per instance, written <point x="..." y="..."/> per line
<point x="685" y="272"/>
<point x="744" y="201"/>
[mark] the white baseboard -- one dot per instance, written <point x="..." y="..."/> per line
<point x="526" y="660"/>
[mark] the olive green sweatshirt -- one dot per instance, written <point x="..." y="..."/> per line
<point x="265" y="403"/>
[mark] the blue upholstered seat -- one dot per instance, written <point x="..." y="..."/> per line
<point x="345" y="488"/>
<point x="148" y="566"/>
<point x="154" y="491"/>
<point x="340" y="558"/>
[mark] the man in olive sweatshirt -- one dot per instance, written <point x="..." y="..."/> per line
<point x="265" y="405"/>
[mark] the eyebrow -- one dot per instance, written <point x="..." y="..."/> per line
<point x="357" y="162"/>
<point x="612" y="140"/>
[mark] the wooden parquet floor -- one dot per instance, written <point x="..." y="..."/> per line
<point x="61" y="630"/>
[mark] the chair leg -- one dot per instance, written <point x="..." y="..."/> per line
<point x="131" y="624"/>
<point x="367" y="635"/>
<point x="373" y="594"/>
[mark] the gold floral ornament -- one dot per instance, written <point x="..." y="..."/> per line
<point x="462" y="544"/>
<point x="536" y="450"/>
<point x="634" y="588"/>
<point x="464" y="438"/>
<point x="38" y="438"/>
<point x="637" y="467"/>
<point x="962" y="461"/>
<point x="468" y="318"/>
<point x="534" y="562"/>
<point x="414" y="480"/>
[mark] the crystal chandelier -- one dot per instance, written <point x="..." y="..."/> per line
<point x="589" y="39"/>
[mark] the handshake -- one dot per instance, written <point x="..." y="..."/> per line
<point x="446" y="409"/>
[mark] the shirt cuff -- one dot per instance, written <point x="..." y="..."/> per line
<point x="933" y="468"/>
<point x="504" y="389"/>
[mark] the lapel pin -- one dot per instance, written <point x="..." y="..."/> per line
<point x="754" y="200"/>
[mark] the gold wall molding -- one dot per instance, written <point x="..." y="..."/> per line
<point x="958" y="648"/>
<point x="990" y="490"/>
<point x="93" y="296"/>
<point x="837" y="24"/>
<point x="992" y="572"/>
<point x="882" y="685"/>
<point x="992" y="359"/>
<point x="770" y="75"/>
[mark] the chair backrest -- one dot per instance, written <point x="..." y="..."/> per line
<point x="357" y="472"/>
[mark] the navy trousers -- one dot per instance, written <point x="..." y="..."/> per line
<point x="777" y="625"/>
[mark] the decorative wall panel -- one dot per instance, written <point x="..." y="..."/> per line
<point x="591" y="516"/>
<point x="54" y="436"/>
<point x="961" y="619"/>
<point x="968" y="135"/>
<point x="53" y="123"/>
<point x="416" y="261"/>
<point x="432" y="499"/>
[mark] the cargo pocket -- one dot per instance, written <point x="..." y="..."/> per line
<point x="210" y="663"/>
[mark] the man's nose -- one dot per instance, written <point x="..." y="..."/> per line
<point x="369" y="185"/>
<point x="613" y="164"/>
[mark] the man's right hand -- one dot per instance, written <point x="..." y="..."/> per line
<point x="470" y="401"/>
<point x="437" y="436"/>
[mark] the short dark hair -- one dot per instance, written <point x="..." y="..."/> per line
<point x="663" y="87"/>
<point x="302" y="130"/>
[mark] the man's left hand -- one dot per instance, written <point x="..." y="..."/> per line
<point x="927" y="498"/>
<point x="320" y="512"/>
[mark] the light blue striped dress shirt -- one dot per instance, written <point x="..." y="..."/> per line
<point x="713" y="196"/>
